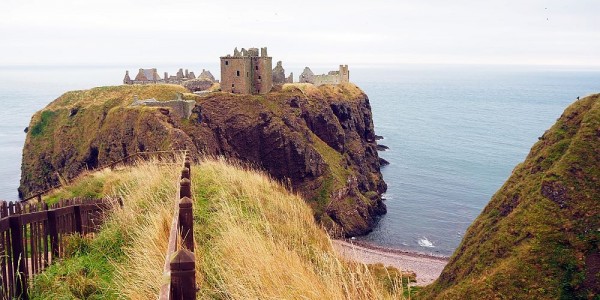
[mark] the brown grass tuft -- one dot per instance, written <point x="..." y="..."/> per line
<point x="258" y="241"/>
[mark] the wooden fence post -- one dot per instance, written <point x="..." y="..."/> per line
<point x="185" y="190"/>
<point x="186" y="223"/>
<point x="78" y="220"/>
<point x="187" y="163"/>
<point x="53" y="233"/>
<point x="18" y="256"/>
<point x="185" y="173"/>
<point x="183" y="275"/>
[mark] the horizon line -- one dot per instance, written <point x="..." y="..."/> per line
<point x="357" y="65"/>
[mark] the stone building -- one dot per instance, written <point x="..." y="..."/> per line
<point x="333" y="77"/>
<point x="206" y="75"/>
<point x="307" y="76"/>
<point x="247" y="72"/>
<point x="179" y="77"/>
<point x="150" y="76"/>
<point x="144" y="76"/>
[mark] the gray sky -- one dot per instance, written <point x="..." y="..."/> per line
<point x="111" y="32"/>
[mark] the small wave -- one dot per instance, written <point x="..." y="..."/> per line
<point x="424" y="242"/>
<point x="387" y="196"/>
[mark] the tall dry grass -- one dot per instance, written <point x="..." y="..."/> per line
<point x="258" y="241"/>
<point x="255" y="240"/>
<point x="145" y="220"/>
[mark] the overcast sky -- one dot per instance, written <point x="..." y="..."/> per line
<point x="111" y="32"/>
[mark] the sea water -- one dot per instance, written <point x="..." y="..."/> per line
<point x="454" y="132"/>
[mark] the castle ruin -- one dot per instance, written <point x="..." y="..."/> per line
<point x="144" y="76"/>
<point x="150" y="76"/>
<point x="333" y="77"/>
<point x="244" y="72"/>
<point x="247" y="72"/>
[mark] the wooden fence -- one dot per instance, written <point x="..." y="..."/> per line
<point x="123" y="161"/>
<point x="32" y="236"/>
<point x="180" y="265"/>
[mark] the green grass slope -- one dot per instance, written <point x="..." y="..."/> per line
<point x="538" y="238"/>
<point x="254" y="240"/>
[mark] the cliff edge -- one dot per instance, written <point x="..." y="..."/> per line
<point x="319" y="140"/>
<point x="539" y="237"/>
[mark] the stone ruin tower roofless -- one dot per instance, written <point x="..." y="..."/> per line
<point x="247" y="72"/>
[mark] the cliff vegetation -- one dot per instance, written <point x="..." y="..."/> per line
<point x="538" y="238"/>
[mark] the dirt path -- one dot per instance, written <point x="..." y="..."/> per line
<point x="427" y="268"/>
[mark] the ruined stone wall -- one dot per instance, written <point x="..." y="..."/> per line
<point x="326" y="79"/>
<point x="235" y="75"/>
<point x="196" y="85"/>
<point x="307" y="76"/>
<point x="279" y="74"/>
<point x="180" y="108"/>
<point x="333" y="77"/>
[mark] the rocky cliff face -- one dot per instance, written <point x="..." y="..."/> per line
<point x="539" y="237"/>
<point x="320" y="140"/>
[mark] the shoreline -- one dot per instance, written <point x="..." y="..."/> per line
<point x="427" y="267"/>
<point x="398" y="251"/>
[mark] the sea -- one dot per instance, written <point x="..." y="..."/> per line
<point x="454" y="134"/>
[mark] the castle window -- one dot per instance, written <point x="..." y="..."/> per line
<point x="227" y="63"/>
<point x="232" y="85"/>
<point x="247" y="74"/>
<point x="259" y="77"/>
<point x="238" y="73"/>
<point x="256" y="68"/>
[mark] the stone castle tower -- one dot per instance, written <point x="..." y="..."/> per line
<point x="344" y="74"/>
<point x="247" y="72"/>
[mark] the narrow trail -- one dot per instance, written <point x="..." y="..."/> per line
<point x="427" y="268"/>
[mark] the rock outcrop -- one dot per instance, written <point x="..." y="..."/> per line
<point x="539" y="237"/>
<point x="320" y="141"/>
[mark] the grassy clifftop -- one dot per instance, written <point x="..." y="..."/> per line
<point x="63" y="137"/>
<point x="255" y="240"/>
<point x="539" y="237"/>
<point x="321" y="139"/>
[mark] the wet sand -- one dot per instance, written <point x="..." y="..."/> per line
<point x="427" y="268"/>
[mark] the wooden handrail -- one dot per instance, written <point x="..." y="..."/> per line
<point x="179" y="264"/>
<point x="37" y="237"/>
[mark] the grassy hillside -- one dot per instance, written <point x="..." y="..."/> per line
<point x="254" y="240"/>
<point x="538" y="238"/>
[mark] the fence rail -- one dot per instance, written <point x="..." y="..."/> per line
<point x="125" y="160"/>
<point x="32" y="235"/>
<point x="180" y="262"/>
